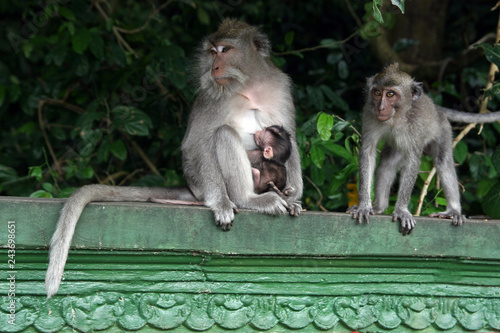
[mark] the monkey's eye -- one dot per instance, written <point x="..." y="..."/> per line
<point x="390" y="94"/>
<point x="377" y="92"/>
<point x="226" y="49"/>
<point x="213" y="51"/>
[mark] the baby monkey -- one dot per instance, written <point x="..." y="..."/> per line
<point x="268" y="162"/>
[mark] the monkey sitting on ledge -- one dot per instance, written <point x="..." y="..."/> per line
<point x="240" y="91"/>
<point x="399" y="112"/>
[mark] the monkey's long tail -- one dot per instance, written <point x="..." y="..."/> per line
<point x="72" y="209"/>
<point x="470" y="117"/>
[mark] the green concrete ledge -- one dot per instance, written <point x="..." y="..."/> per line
<point x="149" y="267"/>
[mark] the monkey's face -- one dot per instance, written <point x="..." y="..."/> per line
<point x="385" y="102"/>
<point x="222" y="56"/>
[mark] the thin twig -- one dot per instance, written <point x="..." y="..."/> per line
<point x="317" y="47"/>
<point x="57" y="165"/>
<point x="353" y="14"/>
<point x="318" y="202"/>
<point x="150" y="17"/>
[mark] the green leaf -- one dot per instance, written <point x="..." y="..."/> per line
<point x="343" y="69"/>
<point x="335" y="98"/>
<point x="56" y="55"/>
<point x="316" y="97"/>
<point x="461" y="151"/>
<point x="66" y="13"/>
<point x="376" y="11"/>
<point x="48" y="187"/>
<point x="493" y="91"/>
<point x="492" y="53"/>
<point x="400" y="4"/>
<point x="131" y="120"/>
<point x="324" y="126"/>
<point x="491" y="202"/>
<point x="97" y="46"/>
<point x="495" y="158"/>
<point x="441" y="201"/>
<point x="203" y="16"/>
<point x="88" y="172"/>
<point x="36" y="172"/>
<point x="80" y="40"/>
<point x="341" y="177"/>
<point x="175" y="65"/>
<point x="317" y="155"/>
<point x="40" y="194"/>
<point x="118" y="149"/>
<point x="338" y="150"/>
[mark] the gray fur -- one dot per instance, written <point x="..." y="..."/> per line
<point x="215" y="162"/>
<point x="417" y="126"/>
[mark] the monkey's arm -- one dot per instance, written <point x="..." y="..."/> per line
<point x="469" y="117"/>
<point x="294" y="181"/>
<point x="367" y="160"/>
<point x="409" y="173"/>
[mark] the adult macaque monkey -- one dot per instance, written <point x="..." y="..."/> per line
<point x="240" y="92"/>
<point x="398" y="111"/>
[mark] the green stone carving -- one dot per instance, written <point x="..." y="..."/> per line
<point x="261" y="312"/>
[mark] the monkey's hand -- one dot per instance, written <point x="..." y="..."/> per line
<point x="361" y="212"/>
<point x="407" y="220"/>
<point x="224" y="215"/>
<point x="455" y="216"/>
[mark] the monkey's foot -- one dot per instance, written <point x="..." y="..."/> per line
<point x="407" y="221"/>
<point x="294" y="208"/>
<point x="224" y="215"/>
<point x="361" y="213"/>
<point x="455" y="216"/>
<point x="267" y="203"/>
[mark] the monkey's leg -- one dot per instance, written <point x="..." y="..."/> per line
<point x="386" y="173"/>
<point x="237" y="174"/>
<point x="273" y="187"/>
<point x="409" y="172"/>
<point x="446" y="170"/>
<point x="366" y="168"/>
<point x="294" y="182"/>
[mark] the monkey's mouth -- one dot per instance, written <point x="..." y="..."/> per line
<point x="222" y="80"/>
<point x="383" y="117"/>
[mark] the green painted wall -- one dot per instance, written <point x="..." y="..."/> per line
<point x="142" y="266"/>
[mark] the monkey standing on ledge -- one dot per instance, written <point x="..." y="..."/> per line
<point x="398" y="111"/>
<point x="240" y="92"/>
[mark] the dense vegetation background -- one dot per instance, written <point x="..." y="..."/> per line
<point x="99" y="91"/>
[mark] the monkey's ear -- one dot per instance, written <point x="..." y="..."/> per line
<point x="268" y="152"/>
<point x="417" y="89"/>
<point x="262" y="44"/>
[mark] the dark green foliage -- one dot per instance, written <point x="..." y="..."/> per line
<point x="99" y="92"/>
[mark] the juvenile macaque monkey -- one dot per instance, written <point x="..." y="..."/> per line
<point x="268" y="162"/>
<point x="398" y="112"/>
<point x="240" y="93"/>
